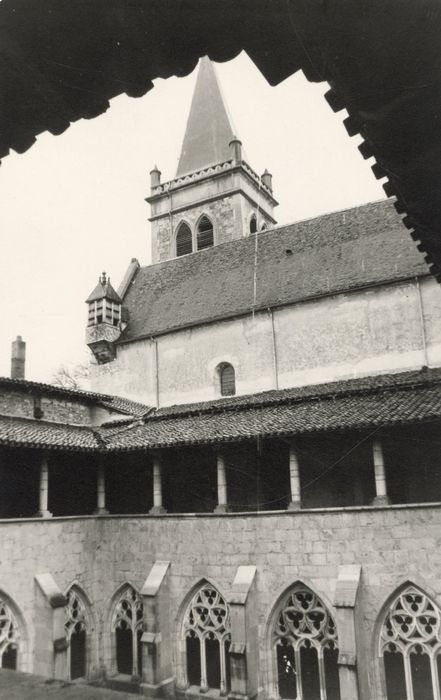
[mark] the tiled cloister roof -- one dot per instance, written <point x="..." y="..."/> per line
<point x="365" y="404"/>
<point x="24" y="432"/>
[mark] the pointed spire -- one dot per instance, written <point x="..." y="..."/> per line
<point x="208" y="132"/>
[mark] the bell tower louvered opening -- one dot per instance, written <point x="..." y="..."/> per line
<point x="205" y="236"/>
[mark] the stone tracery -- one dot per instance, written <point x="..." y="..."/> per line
<point x="127" y="624"/>
<point x="410" y="643"/>
<point x="207" y="622"/>
<point x="9" y="636"/>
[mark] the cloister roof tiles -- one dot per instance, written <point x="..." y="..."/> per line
<point x="336" y="252"/>
<point x="25" y="432"/>
<point x="359" y="404"/>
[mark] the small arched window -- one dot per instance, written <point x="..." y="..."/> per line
<point x="205" y="237"/>
<point x="76" y="626"/>
<point x="127" y="627"/>
<point x="184" y="241"/>
<point x="253" y="224"/>
<point x="227" y="377"/>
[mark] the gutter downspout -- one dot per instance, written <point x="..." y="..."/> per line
<point x="275" y="363"/>
<point x="155" y="342"/>
<point x="423" y="327"/>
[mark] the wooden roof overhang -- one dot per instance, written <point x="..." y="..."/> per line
<point x="64" y="60"/>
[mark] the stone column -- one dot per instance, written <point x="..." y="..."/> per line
<point x="158" y="508"/>
<point x="222" y="504"/>
<point x="101" y="490"/>
<point x="381" y="497"/>
<point x="43" y="511"/>
<point x="294" y="479"/>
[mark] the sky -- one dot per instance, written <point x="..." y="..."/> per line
<point x="74" y="205"/>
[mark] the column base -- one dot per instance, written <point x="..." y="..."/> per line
<point x="43" y="514"/>
<point x="157" y="510"/>
<point x="222" y="508"/>
<point x="381" y="501"/>
<point x="100" y="511"/>
<point x="294" y="505"/>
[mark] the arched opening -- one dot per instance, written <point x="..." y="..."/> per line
<point x="305" y="648"/>
<point x="253" y="224"/>
<point x="227" y="379"/>
<point x="9" y="637"/>
<point x="410" y="645"/>
<point x="127" y="627"/>
<point x="184" y="240"/>
<point x="206" y="631"/>
<point x="205" y="234"/>
<point x="77" y="629"/>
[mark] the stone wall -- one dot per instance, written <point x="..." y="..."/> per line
<point x="59" y="409"/>
<point x="392" y="545"/>
<point x="359" y="333"/>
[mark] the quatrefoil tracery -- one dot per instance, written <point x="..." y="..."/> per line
<point x="75" y="614"/>
<point x="128" y="612"/>
<point x="9" y="631"/>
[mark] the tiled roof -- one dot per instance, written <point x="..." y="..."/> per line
<point x="368" y="404"/>
<point x="126" y="406"/>
<point x="52" y="390"/>
<point x="328" y="254"/>
<point x="360" y="404"/>
<point x="24" y="432"/>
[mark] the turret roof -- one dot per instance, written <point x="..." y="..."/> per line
<point x="208" y="132"/>
<point x="104" y="290"/>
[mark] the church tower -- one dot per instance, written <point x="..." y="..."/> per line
<point x="216" y="196"/>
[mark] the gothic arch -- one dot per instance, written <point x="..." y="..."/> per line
<point x="301" y="643"/>
<point x="203" y="237"/>
<point x="13" y="635"/>
<point x="79" y="621"/>
<point x="131" y="621"/>
<point x="407" y="642"/>
<point x="216" y="628"/>
<point x="183" y="225"/>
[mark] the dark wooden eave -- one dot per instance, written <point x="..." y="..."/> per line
<point x="64" y="60"/>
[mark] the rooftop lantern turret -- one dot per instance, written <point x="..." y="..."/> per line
<point x="104" y="320"/>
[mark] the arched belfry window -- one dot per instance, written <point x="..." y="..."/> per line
<point x="76" y="626"/>
<point x="206" y="630"/>
<point x="410" y="644"/>
<point x="127" y="628"/>
<point x="305" y="648"/>
<point x="9" y="637"/>
<point x="205" y="235"/>
<point x="184" y="240"/>
<point x="227" y="379"/>
<point x="253" y="224"/>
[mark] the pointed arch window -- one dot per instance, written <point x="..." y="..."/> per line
<point x="227" y="379"/>
<point x="184" y="240"/>
<point x="9" y="637"/>
<point x="205" y="234"/>
<point x="76" y="627"/>
<point x="305" y="648"/>
<point x="410" y="644"/>
<point x="253" y="224"/>
<point x="206" y="630"/>
<point x="127" y="628"/>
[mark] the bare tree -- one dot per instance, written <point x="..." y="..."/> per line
<point x="71" y="376"/>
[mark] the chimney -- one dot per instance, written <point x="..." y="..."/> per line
<point x="236" y="149"/>
<point x="155" y="177"/>
<point x="267" y="179"/>
<point x="18" y="357"/>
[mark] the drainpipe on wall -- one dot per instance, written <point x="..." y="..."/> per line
<point x="155" y="342"/>
<point x="423" y="327"/>
<point x="273" y="333"/>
